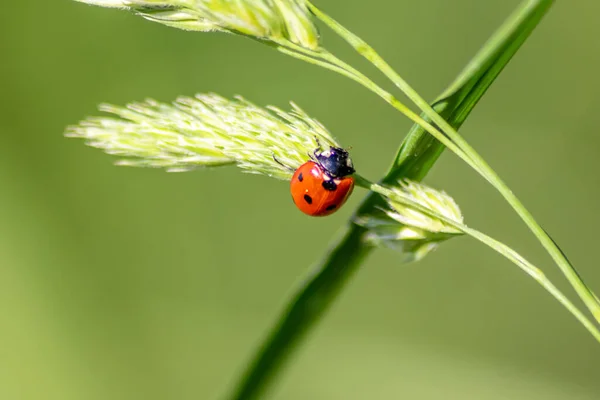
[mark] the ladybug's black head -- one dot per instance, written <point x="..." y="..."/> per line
<point x="335" y="161"/>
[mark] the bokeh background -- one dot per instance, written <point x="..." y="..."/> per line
<point x="121" y="283"/>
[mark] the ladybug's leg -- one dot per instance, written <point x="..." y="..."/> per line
<point x="282" y="164"/>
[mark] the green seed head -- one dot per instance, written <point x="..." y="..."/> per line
<point x="412" y="232"/>
<point x="279" y="21"/>
<point x="205" y="131"/>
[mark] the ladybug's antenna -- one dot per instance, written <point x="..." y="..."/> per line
<point x="282" y="164"/>
<point x="318" y="143"/>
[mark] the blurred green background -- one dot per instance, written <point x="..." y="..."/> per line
<point x="120" y="283"/>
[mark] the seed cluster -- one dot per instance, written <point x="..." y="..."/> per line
<point x="207" y="130"/>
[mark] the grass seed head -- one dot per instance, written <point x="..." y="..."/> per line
<point x="407" y="230"/>
<point x="279" y="21"/>
<point x="206" y="131"/>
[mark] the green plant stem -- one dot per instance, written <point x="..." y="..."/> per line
<point x="467" y="152"/>
<point x="494" y="244"/>
<point x="312" y="300"/>
<point x="414" y="159"/>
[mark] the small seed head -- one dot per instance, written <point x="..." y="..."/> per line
<point x="409" y="231"/>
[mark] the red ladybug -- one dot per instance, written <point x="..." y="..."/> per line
<point x="321" y="186"/>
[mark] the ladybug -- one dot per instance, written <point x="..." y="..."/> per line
<point x="322" y="185"/>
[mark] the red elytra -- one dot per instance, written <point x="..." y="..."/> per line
<point x="316" y="192"/>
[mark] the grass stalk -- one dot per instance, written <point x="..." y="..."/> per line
<point x="414" y="159"/>
<point x="537" y="9"/>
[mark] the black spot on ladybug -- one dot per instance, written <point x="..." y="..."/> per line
<point x="308" y="199"/>
<point x="330" y="207"/>
<point x="329" y="185"/>
<point x="300" y="177"/>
